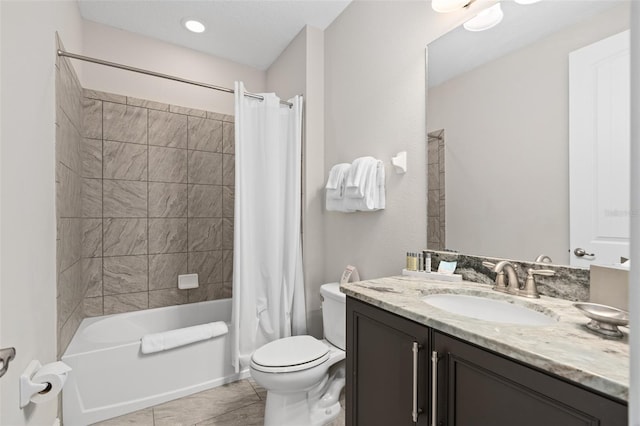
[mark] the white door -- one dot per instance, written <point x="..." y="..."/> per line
<point x="599" y="132"/>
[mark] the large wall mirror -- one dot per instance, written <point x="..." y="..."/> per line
<point x="500" y="124"/>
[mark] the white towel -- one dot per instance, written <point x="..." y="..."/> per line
<point x="373" y="192"/>
<point x="356" y="181"/>
<point x="335" y="183"/>
<point x="157" y="342"/>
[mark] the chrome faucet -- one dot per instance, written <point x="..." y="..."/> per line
<point x="543" y="258"/>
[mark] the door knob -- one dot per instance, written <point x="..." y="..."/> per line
<point x="580" y="252"/>
<point x="6" y="356"/>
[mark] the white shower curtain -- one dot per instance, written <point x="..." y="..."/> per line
<point x="268" y="287"/>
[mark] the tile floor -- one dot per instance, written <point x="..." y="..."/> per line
<point x="237" y="404"/>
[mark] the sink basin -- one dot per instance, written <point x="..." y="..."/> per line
<point x="488" y="309"/>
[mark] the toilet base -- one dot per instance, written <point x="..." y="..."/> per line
<point x="317" y="407"/>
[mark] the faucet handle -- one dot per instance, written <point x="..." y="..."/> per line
<point x="530" y="289"/>
<point x="544" y="272"/>
<point x="489" y="265"/>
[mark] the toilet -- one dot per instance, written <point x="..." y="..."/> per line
<point x="304" y="376"/>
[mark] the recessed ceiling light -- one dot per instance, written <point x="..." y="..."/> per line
<point x="486" y="19"/>
<point x="193" y="25"/>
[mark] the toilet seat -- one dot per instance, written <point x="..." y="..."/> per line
<point x="290" y="354"/>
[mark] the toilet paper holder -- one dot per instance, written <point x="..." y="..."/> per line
<point x="28" y="388"/>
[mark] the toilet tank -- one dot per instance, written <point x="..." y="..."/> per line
<point x="334" y="314"/>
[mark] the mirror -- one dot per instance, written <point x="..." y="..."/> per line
<point x="498" y="121"/>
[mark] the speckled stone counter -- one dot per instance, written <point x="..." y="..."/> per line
<point x="567" y="349"/>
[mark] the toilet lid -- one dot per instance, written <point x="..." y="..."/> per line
<point x="290" y="351"/>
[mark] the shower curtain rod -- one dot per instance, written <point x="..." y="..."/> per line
<point x="160" y="75"/>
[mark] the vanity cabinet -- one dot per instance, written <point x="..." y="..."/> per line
<point x="381" y="349"/>
<point x="478" y="387"/>
<point x="474" y="386"/>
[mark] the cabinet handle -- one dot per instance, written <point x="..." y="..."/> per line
<point x="434" y="388"/>
<point x="415" y="411"/>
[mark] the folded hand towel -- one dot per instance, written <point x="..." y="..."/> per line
<point x="336" y="181"/>
<point x="157" y="342"/>
<point x="373" y="195"/>
<point x="356" y="181"/>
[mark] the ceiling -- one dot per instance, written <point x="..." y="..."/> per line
<point x="460" y="50"/>
<point x="250" y="32"/>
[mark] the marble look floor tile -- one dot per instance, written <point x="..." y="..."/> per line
<point x="205" y="405"/>
<point x="138" y="418"/>
<point x="260" y="391"/>
<point x="251" y="415"/>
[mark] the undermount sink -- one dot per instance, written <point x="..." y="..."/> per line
<point x="488" y="309"/>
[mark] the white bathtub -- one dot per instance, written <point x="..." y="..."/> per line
<point x="111" y="377"/>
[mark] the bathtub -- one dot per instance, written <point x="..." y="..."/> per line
<point x="111" y="377"/>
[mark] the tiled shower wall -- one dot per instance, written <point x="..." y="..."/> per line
<point x="157" y="202"/>
<point x="435" y="191"/>
<point x="70" y="286"/>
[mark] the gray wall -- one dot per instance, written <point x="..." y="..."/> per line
<point x="375" y="105"/>
<point x="507" y="146"/>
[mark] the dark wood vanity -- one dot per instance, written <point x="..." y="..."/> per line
<point x="400" y="372"/>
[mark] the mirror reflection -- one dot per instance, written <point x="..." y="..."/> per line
<point x="510" y="115"/>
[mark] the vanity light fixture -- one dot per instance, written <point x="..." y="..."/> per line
<point x="486" y="19"/>
<point x="445" y="6"/>
<point x="193" y="25"/>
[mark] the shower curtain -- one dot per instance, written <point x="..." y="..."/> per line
<point x="268" y="287"/>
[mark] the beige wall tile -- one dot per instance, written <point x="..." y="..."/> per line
<point x="228" y="138"/>
<point x="167" y="235"/>
<point x="124" y="123"/>
<point x="167" y="129"/>
<point x="91" y="198"/>
<point x="92" y="237"/>
<point x="228" y="169"/>
<point x="167" y="297"/>
<point x="205" y="168"/>
<point x="124" y="161"/>
<point x="165" y="268"/>
<point x="92" y="276"/>
<point x="205" y="201"/>
<point x="123" y="237"/>
<point x="228" y="201"/>
<point x="205" y="134"/>
<point x="208" y="266"/>
<point x="92" y="118"/>
<point x="205" y="234"/>
<point x="167" y="165"/>
<point x="123" y="198"/>
<point x="167" y="199"/>
<point x="120" y="303"/>
<point x="91" y="154"/>
<point x="125" y="274"/>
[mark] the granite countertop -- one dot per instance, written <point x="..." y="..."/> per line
<point x="567" y="349"/>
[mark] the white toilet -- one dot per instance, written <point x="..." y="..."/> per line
<point x="302" y="389"/>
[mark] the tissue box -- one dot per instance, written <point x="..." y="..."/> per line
<point x="609" y="285"/>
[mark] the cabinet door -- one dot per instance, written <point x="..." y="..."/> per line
<point x="477" y="387"/>
<point x="380" y="368"/>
